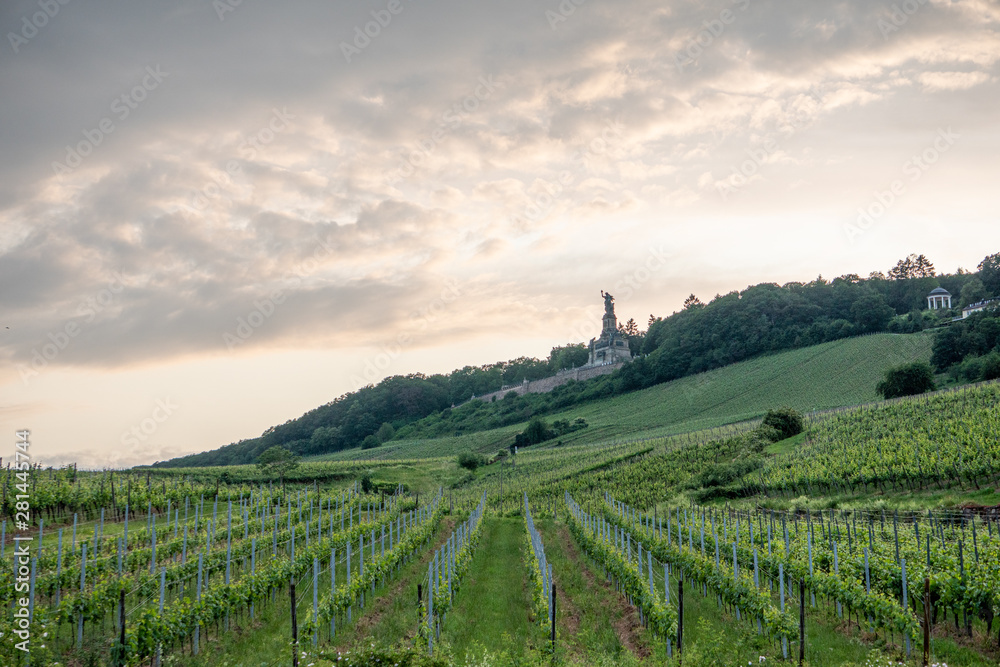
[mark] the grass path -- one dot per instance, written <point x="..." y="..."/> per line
<point x="592" y="618"/>
<point x="491" y="610"/>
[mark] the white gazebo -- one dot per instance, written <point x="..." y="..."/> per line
<point x="939" y="299"/>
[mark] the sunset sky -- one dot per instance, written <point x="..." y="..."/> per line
<point x="216" y="215"/>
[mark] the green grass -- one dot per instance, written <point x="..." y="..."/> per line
<point x="593" y="621"/>
<point x="490" y="612"/>
<point x="786" y="445"/>
<point x="830" y="375"/>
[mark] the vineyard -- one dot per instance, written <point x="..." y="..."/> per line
<point x="680" y="549"/>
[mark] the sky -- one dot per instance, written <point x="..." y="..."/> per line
<point x="216" y="215"/>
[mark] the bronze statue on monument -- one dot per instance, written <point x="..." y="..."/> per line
<point x="609" y="303"/>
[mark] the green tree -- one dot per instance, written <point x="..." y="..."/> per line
<point x="907" y="380"/>
<point x="370" y="442"/>
<point x="692" y="302"/>
<point x="537" y="431"/>
<point x="367" y="486"/>
<point x="989" y="274"/>
<point x="568" y="356"/>
<point x="991" y="367"/>
<point x="324" y="439"/>
<point x="786" y="421"/>
<point x="913" y="266"/>
<point x="470" y="460"/>
<point x="629" y="329"/>
<point x="972" y="292"/>
<point x="277" y="461"/>
<point x="871" y="312"/>
<point x="385" y="432"/>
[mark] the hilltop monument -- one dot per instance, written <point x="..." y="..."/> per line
<point x="611" y="347"/>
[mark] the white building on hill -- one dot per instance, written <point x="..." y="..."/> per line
<point x="939" y="299"/>
<point x="981" y="305"/>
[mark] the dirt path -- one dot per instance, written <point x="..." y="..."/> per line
<point x="626" y="620"/>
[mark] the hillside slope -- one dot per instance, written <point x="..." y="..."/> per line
<point x="829" y="375"/>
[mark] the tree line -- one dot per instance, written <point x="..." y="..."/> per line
<point x="733" y="327"/>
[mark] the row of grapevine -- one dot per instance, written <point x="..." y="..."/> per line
<point x="781" y="565"/>
<point x="539" y="569"/>
<point x="409" y="538"/>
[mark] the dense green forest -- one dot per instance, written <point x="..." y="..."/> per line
<point x="761" y="319"/>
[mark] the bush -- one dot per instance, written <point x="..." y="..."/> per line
<point x="536" y="432"/>
<point x="786" y="422"/>
<point x="758" y="439"/>
<point x="470" y="460"/>
<point x="907" y="380"/>
<point x="721" y="474"/>
<point x="991" y="367"/>
<point x="370" y="442"/>
<point x="366" y="483"/>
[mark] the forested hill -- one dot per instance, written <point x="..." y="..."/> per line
<point x="732" y="327"/>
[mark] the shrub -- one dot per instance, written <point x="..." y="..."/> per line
<point x="470" y="460"/>
<point x="536" y="432"/>
<point x="721" y="474"/>
<point x="907" y="380"/>
<point x="370" y="442"/>
<point x="785" y="421"/>
<point x="366" y="483"/>
<point x="991" y="367"/>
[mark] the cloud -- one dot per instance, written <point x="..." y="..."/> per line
<point x="938" y="81"/>
<point x="205" y="205"/>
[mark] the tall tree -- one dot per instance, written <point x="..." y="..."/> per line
<point x="972" y="292"/>
<point x="923" y="267"/>
<point x="871" y="312"/>
<point x="693" y="302"/>
<point x="277" y="461"/>
<point x="989" y="273"/>
<point x="629" y="329"/>
<point x="913" y="266"/>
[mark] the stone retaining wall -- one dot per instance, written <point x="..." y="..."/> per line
<point x="546" y="385"/>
